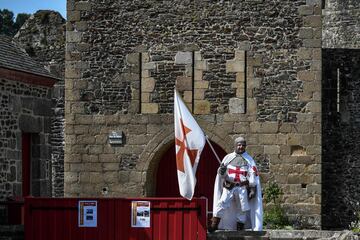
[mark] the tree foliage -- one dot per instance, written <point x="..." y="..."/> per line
<point x="7" y="24"/>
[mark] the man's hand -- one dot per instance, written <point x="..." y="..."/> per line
<point x="252" y="192"/>
<point x="222" y="169"/>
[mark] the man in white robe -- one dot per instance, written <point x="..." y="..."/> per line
<point x="237" y="192"/>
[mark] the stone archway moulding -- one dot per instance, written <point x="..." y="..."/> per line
<point x="154" y="151"/>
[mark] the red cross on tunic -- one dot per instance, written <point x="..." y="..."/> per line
<point x="255" y="171"/>
<point x="237" y="172"/>
<point x="192" y="153"/>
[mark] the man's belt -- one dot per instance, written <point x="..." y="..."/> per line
<point x="230" y="185"/>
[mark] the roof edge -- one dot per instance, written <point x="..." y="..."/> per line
<point x="26" y="77"/>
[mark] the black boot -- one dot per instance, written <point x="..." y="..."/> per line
<point x="214" y="224"/>
<point x="240" y="226"/>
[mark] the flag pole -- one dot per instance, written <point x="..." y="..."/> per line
<point x="212" y="148"/>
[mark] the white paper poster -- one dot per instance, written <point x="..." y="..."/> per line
<point x="140" y="214"/>
<point x="87" y="213"/>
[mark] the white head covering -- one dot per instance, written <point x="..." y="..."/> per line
<point x="240" y="140"/>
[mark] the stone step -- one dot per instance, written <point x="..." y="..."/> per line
<point x="238" y="235"/>
<point x="284" y="235"/>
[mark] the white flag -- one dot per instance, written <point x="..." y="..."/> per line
<point x="189" y="141"/>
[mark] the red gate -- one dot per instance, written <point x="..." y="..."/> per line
<point x="171" y="218"/>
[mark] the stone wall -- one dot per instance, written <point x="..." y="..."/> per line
<point x="43" y="38"/>
<point x="341" y="116"/>
<point x="341" y="24"/>
<point x="14" y="232"/>
<point x="24" y="108"/>
<point x="248" y="68"/>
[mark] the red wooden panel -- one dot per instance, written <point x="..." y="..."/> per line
<point x="171" y="218"/>
<point x="57" y="219"/>
<point x="202" y="219"/>
<point x="189" y="223"/>
<point x="167" y="183"/>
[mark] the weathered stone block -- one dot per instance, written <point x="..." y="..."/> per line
<point x="236" y="105"/>
<point x="306" y="33"/>
<point x="149" y="108"/>
<point x="313" y="189"/>
<point x="135" y="176"/>
<point x="268" y="139"/>
<point x="73" y="36"/>
<point x="269" y="127"/>
<point x="149" y="66"/>
<point x="251" y="105"/>
<point x="136" y="129"/>
<point x="312" y="43"/>
<point x="240" y="55"/>
<point x="183" y="83"/>
<point x="147" y="84"/>
<point x="235" y="66"/>
<point x="83" y="6"/>
<point x="201" y="84"/>
<point x="294" y="139"/>
<point x="199" y="94"/>
<point x="198" y="75"/>
<point x="95" y="149"/>
<point x="89" y="158"/>
<point x="83" y="119"/>
<point x="108" y="158"/>
<point x="72" y="158"/>
<point x="243" y="127"/>
<point x="183" y="58"/>
<point x="73" y="16"/>
<point x="188" y="98"/>
<point x="313" y="107"/>
<point x="202" y="107"/>
<point x="81" y="26"/>
<point x="312" y="21"/>
<point x="240" y="92"/>
<point x="306" y="10"/>
<point x="304" y="53"/>
<point x="111" y="177"/>
<point x="268" y="149"/>
<point x="201" y="65"/>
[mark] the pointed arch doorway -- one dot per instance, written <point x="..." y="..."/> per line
<point x="166" y="177"/>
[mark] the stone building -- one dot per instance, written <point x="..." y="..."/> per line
<point x="43" y="37"/>
<point x="25" y="123"/>
<point x="249" y="68"/>
<point x="282" y="73"/>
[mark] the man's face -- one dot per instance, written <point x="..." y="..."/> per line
<point x="240" y="147"/>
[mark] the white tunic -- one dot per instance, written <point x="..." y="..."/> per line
<point x="229" y="218"/>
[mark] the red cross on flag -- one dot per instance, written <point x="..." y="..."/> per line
<point x="190" y="141"/>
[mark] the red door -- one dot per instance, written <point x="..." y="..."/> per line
<point x="167" y="184"/>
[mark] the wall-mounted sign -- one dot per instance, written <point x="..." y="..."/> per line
<point x="116" y="138"/>
<point x="140" y="214"/>
<point x="87" y="213"/>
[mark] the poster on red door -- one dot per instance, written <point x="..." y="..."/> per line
<point x="140" y="214"/>
<point x="87" y="214"/>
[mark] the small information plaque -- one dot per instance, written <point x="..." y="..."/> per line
<point x="140" y="214"/>
<point x="87" y="213"/>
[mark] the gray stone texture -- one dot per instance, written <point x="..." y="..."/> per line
<point x="341" y="141"/>
<point x="341" y="24"/>
<point x="20" y="113"/>
<point x="282" y="90"/>
<point x="210" y="27"/>
<point x="43" y="38"/>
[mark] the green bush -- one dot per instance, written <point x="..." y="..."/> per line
<point x="275" y="218"/>
<point x="274" y="214"/>
<point x="355" y="225"/>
